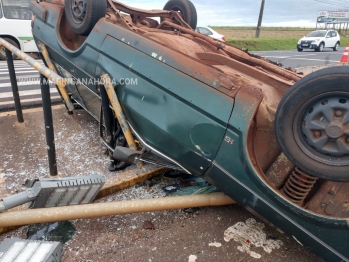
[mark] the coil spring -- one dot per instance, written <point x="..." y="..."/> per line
<point x="298" y="186"/>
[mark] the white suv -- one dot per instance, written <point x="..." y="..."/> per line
<point x="319" y="39"/>
<point x="205" y="30"/>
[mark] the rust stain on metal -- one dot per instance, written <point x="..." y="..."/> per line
<point x="114" y="101"/>
<point x="61" y="86"/>
<point x="298" y="186"/>
<point x="331" y="199"/>
<point x="257" y="83"/>
<point x="279" y="170"/>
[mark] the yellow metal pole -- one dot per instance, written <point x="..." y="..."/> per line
<point x="55" y="78"/>
<point x="50" y="65"/>
<point x="118" y="110"/>
<point x="111" y="189"/>
<point x="54" y="214"/>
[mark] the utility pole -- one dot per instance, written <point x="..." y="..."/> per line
<point x="260" y="19"/>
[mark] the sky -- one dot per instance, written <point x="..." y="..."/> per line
<point x="284" y="13"/>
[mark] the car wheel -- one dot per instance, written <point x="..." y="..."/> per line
<point x="299" y="49"/>
<point x="335" y="48"/>
<point x="320" y="48"/>
<point x="82" y="15"/>
<point x="2" y="49"/>
<point x="312" y="124"/>
<point x="186" y="8"/>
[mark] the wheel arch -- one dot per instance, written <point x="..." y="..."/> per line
<point x="14" y="39"/>
<point x="328" y="170"/>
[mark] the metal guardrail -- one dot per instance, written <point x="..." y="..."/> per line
<point x="45" y="73"/>
<point x="12" y="73"/>
<point x="59" y="81"/>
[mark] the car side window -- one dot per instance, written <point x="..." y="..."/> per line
<point x="334" y="34"/>
<point x="328" y="34"/>
<point x="0" y="12"/>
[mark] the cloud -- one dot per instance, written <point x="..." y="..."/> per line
<point x="296" y="13"/>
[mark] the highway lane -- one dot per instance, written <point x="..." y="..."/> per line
<point x="295" y="59"/>
<point x="28" y="86"/>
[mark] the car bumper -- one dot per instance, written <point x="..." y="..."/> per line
<point x="311" y="46"/>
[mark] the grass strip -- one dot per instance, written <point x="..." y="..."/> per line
<point x="263" y="28"/>
<point x="269" y="44"/>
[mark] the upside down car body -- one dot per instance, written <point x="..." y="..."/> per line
<point x="274" y="141"/>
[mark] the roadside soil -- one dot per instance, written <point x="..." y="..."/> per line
<point x="234" y="33"/>
<point x="173" y="235"/>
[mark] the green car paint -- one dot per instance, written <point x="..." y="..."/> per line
<point x="189" y="118"/>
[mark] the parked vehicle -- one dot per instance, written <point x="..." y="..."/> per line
<point x="274" y="141"/>
<point x="15" y="20"/>
<point x="319" y="39"/>
<point x="205" y="30"/>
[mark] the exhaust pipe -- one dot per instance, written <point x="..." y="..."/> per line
<point x="54" y="214"/>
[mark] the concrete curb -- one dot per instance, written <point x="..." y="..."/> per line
<point x="130" y="182"/>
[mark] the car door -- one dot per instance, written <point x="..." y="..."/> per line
<point x="330" y="39"/>
<point x="181" y="116"/>
<point x="334" y="37"/>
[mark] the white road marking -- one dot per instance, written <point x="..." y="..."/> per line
<point x="27" y="67"/>
<point x="295" y="58"/>
<point x="276" y="57"/>
<point x="21" y="77"/>
<point x="19" y="67"/>
<point x="26" y="93"/>
<point x="20" y="72"/>
<point x="305" y="55"/>
<point x="27" y="100"/>
<point x="315" y="60"/>
<point x="288" y="56"/>
<point x="26" y="83"/>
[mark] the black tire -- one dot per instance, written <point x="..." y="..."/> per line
<point x="82" y="15"/>
<point x="186" y="8"/>
<point x="299" y="49"/>
<point x="308" y="124"/>
<point x="320" y="48"/>
<point x="2" y="49"/>
<point x="335" y="48"/>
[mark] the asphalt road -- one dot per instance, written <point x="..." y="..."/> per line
<point x="28" y="86"/>
<point x="30" y="94"/>
<point x="295" y="59"/>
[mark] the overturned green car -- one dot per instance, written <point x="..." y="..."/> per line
<point x="274" y="141"/>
